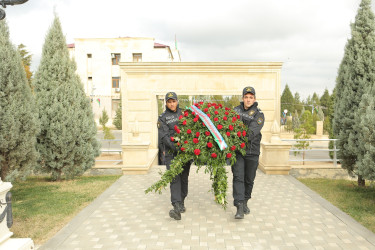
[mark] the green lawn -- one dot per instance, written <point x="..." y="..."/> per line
<point x="358" y="202"/>
<point x="42" y="207"/>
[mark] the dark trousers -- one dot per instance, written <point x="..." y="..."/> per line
<point x="244" y="171"/>
<point x="179" y="185"/>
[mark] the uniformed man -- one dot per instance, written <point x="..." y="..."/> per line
<point x="244" y="170"/>
<point x="166" y="124"/>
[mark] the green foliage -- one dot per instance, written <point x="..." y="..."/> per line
<point x="67" y="142"/>
<point x="103" y="119"/>
<point x="108" y="135"/>
<point x="297" y="103"/>
<point x="196" y="143"/>
<point x="355" y="76"/>
<point x="325" y="101"/>
<point x="300" y="133"/>
<point x="118" y="118"/>
<point x="26" y="62"/>
<point x="19" y="123"/>
<point x="287" y="100"/>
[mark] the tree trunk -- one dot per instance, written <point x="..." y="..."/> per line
<point x="361" y="181"/>
<point x="4" y="169"/>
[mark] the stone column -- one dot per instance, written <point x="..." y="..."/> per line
<point x="319" y="128"/>
<point x="275" y="154"/>
<point x="5" y="212"/>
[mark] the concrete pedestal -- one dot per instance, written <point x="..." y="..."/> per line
<point x="137" y="157"/>
<point x="275" y="158"/>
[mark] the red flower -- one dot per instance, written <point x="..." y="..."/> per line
<point x="244" y="133"/>
<point x="225" y="118"/>
<point x="182" y="149"/>
<point x="209" y="115"/>
<point x="230" y="127"/>
<point x="209" y="145"/>
<point x="175" y="127"/>
<point x="242" y="145"/>
<point x="209" y="105"/>
<point x="216" y="119"/>
<point x="172" y="139"/>
<point x="197" y="134"/>
<point x="226" y="113"/>
<point x="229" y="155"/>
<point x="233" y="148"/>
<point x="213" y="155"/>
<point x="178" y="131"/>
<point x="178" y="144"/>
<point x="186" y="114"/>
<point x="195" y="140"/>
<point x="207" y="133"/>
<point x="186" y="142"/>
<point x="239" y="133"/>
<point x="203" y="124"/>
<point x="205" y="110"/>
<point x="188" y="131"/>
<point x="216" y="113"/>
<point x="219" y="126"/>
<point x="228" y="133"/>
<point x="193" y="113"/>
<point x="226" y="108"/>
<point x="181" y="116"/>
<point x="184" y="122"/>
<point x="201" y="103"/>
<point x="234" y="119"/>
<point x="197" y="151"/>
<point x="238" y="116"/>
<point x="195" y="119"/>
<point x="220" y="105"/>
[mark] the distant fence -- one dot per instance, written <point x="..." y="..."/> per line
<point x="106" y="148"/>
<point x="334" y="150"/>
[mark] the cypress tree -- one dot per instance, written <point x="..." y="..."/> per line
<point x="287" y="100"/>
<point x="356" y="71"/>
<point x="18" y="115"/>
<point x="118" y="118"/>
<point x="67" y="142"/>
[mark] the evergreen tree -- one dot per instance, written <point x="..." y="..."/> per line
<point x="287" y="100"/>
<point x="26" y="62"/>
<point x="103" y="119"/>
<point x="67" y="142"/>
<point x="19" y="123"/>
<point x="118" y="118"/>
<point x="297" y="103"/>
<point x="325" y="102"/>
<point x="356" y="71"/>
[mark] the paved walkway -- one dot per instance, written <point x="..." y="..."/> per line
<point x="285" y="214"/>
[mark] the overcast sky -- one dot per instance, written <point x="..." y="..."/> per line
<point x="308" y="36"/>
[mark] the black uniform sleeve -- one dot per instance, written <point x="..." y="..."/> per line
<point x="256" y="125"/>
<point x="164" y="136"/>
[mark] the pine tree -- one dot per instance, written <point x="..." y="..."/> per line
<point x="325" y="101"/>
<point x="19" y="123"/>
<point x="118" y="118"/>
<point x="287" y="100"/>
<point x="356" y="71"/>
<point x="67" y="142"/>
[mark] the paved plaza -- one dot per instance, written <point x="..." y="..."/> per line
<point x="285" y="214"/>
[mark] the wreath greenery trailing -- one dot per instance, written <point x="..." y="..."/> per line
<point x="196" y="143"/>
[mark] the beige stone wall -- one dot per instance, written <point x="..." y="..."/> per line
<point x="144" y="82"/>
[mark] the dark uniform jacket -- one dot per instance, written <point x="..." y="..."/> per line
<point x="166" y="122"/>
<point x="253" y="118"/>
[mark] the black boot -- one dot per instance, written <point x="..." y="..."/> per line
<point x="239" y="214"/>
<point x="182" y="207"/>
<point x="175" y="212"/>
<point x="246" y="209"/>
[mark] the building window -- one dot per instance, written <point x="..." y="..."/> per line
<point x="89" y="55"/>
<point x="115" y="59"/>
<point x="115" y="82"/>
<point x="137" y="57"/>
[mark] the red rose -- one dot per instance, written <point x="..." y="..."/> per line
<point x="209" y="145"/>
<point x="178" y="144"/>
<point x="175" y="127"/>
<point x="239" y="133"/>
<point x="220" y="105"/>
<point x="226" y="113"/>
<point x="226" y="108"/>
<point x="172" y="139"/>
<point x="184" y="122"/>
<point x="196" y="104"/>
<point x="242" y="145"/>
<point x="186" y="114"/>
<point x="216" y="113"/>
<point x="233" y="148"/>
<point x="238" y="116"/>
<point x="181" y="116"/>
<point x="182" y="149"/>
<point x="209" y="115"/>
<point x="207" y="133"/>
<point x="178" y="131"/>
<point x="216" y="119"/>
<point x="197" y="134"/>
<point x="188" y="131"/>
<point x="201" y="103"/>
<point x="197" y="151"/>
<point x="204" y="125"/>
<point x="244" y="133"/>
<point x="228" y="133"/>
<point x="195" y="140"/>
<point x="193" y="113"/>
<point x="230" y="127"/>
<point x="229" y="155"/>
<point x="219" y="126"/>
<point x="186" y="142"/>
<point x="209" y="105"/>
<point x="195" y="119"/>
<point x="234" y="119"/>
<point x="213" y="155"/>
<point x="225" y="118"/>
<point x="205" y="110"/>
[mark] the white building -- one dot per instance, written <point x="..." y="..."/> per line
<point x="97" y="64"/>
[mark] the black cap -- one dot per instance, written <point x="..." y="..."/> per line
<point x="247" y="90"/>
<point x="170" y="95"/>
